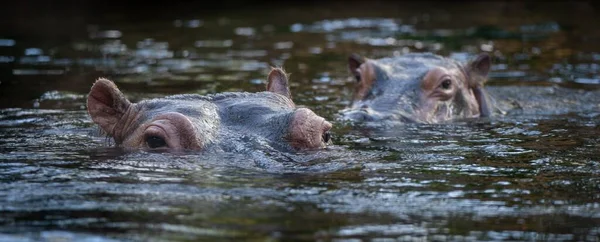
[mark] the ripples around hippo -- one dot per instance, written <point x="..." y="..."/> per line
<point x="531" y="174"/>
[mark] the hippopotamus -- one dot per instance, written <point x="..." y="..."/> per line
<point x="195" y="122"/>
<point x="419" y="87"/>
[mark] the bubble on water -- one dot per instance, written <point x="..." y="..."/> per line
<point x="140" y="69"/>
<point x="405" y="50"/>
<point x="36" y="104"/>
<point x="412" y="232"/>
<point x="348" y="35"/>
<point x="550" y="27"/>
<point x="34" y="59"/>
<point x="296" y="27"/>
<point x="407" y="29"/>
<point x="457" y="193"/>
<point x="594" y="81"/>
<point x="56" y="95"/>
<point x="487" y="47"/>
<point x="153" y="53"/>
<point x="502" y="183"/>
<point x="284" y="45"/>
<point x="521" y="56"/>
<point x="390" y="41"/>
<point x="321" y="98"/>
<point x="315" y="50"/>
<point x="460" y="56"/>
<point x="362" y="140"/>
<point x="257" y="81"/>
<point x="324" y="78"/>
<point x="33" y="51"/>
<point x="7" y="59"/>
<point x="62" y="62"/>
<point x="113" y="47"/>
<point x="419" y="45"/>
<point x="37" y="72"/>
<point x="244" y="31"/>
<point x="194" y="23"/>
<point x="507" y="74"/>
<point x="7" y="42"/>
<point x="500" y="66"/>
<point x="555" y="79"/>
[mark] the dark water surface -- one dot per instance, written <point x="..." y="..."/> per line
<point x="531" y="175"/>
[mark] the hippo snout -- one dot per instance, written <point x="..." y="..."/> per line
<point x="308" y="130"/>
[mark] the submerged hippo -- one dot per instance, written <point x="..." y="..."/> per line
<point x="195" y="122"/>
<point x="419" y="87"/>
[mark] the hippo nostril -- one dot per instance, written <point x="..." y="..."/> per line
<point x="326" y="137"/>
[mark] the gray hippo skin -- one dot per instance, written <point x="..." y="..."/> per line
<point x="419" y="87"/>
<point x="195" y="122"/>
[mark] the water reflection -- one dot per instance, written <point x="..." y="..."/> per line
<point x="530" y="175"/>
<point x="148" y="55"/>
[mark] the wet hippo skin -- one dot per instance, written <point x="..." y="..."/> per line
<point x="195" y="122"/>
<point x="419" y="87"/>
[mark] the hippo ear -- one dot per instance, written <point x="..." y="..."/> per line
<point x="478" y="69"/>
<point x="277" y="82"/>
<point x="354" y="61"/>
<point x="106" y="104"/>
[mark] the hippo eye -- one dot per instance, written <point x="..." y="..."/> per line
<point x="155" y="142"/>
<point x="326" y="137"/>
<point x="446" y="84"/>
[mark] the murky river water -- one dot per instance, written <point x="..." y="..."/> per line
<point x="533" y="174"/>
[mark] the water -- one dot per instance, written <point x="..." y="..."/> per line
<point x="530" y="175"/>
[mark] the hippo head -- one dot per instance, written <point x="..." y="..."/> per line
<point x="419" y="87"/>
<point x="194" y="122"/>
